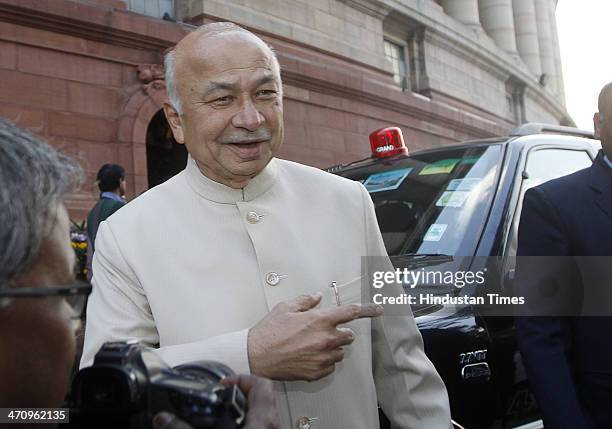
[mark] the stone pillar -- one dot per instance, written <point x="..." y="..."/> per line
<point x="498" y="21"/>
<point x="527" y="34"/>
<point x="557" y="53"/>
<point x="547" y="55"/>
<point x="464" y="11"/>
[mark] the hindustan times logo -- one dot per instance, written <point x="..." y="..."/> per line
<point x="414" y="278"/>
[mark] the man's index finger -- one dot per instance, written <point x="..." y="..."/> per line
<point x="348" y="312"/>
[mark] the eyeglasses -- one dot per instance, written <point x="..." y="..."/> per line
<point x="75" y="294"/>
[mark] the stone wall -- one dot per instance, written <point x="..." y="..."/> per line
<point x="330" y="25"/>
<point x="87" y="76"/>
<point x="69" y="71"/>
<point x="458" y="60"/>
<point x="466" y="76"/>
<point x="536" y="111"/>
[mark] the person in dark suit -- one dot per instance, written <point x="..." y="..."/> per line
<point x="565" y="224"/>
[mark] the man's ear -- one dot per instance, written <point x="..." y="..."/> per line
<point x="597" y="125"/>
<point x="175" y="122"/>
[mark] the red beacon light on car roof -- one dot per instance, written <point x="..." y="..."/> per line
<point x="387" y="142"/>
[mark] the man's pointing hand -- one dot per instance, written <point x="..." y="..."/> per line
<point x="295" y="341"/>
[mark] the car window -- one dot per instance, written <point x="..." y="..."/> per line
<point x="543" y="165"/>
<point x="547" y="164"/>
<point x="434" y="203"/>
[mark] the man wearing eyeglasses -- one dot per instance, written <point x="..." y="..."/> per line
<point x="37" y="324"/>
<point x="40" y="303"/>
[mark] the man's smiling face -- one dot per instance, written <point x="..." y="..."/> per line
<point x="232" y="114"/>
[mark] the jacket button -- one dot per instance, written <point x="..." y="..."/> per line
<point x="253" y="217"/>
<point x="305" y="422"/>
<point x="272" y="279"/>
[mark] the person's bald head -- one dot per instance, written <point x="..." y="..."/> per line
<point x="602" y="120"/>
<point x="195" y="44"/>
<point x="605" y="98"/>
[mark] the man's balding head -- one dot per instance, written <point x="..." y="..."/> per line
<point x="225" y="101"/>
<point x="186" y="46"/>
<point x="602" y="120"/>
<point x="605" y="98"/>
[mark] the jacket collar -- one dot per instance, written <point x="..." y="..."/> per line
<point x="601" y="182"/>
<point x="112" y="196"/>
<point x="220" y="193"/>
<point x="601" y="173"/>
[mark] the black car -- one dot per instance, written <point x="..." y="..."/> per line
<point x="457" y="208"/>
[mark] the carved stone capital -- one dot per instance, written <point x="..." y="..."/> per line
<point x="154" y="86"/>
<point x="150" y="72"/>
<point x="152" y="77"/>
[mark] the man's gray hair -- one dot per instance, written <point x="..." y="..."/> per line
<point x="34" y="177"/>
<point x="173" y="98"/>
<point x="207" y="29"/>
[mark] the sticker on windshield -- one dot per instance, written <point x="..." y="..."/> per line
<point x="452" y="199"/>
<point x="462" y="184"/>
<point x="444" y="166"/>
<point x="386" y="181"/>
<point x="435" y="232"/>
<point x="470" y="159"/>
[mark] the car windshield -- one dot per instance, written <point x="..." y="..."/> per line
<point x="434" y="203"/>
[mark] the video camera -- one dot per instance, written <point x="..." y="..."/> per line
<point x="129" y="384"/>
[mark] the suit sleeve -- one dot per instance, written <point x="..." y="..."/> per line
<point x="118" y="310"/>
<point x="545" y="341"/>
<point x="409" y="389"/>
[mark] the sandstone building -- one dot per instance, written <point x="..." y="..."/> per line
<point x="87" y="74"/>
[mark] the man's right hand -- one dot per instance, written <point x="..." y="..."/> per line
<point x="261" y="412"/>
<point x="295" y="341"/>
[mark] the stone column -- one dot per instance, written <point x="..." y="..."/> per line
<point x="547" y="56"/>
<point x="557" y="53"/>
<point x="498" y="21"/>
<point x="527" y="34"/>
<point x="464" y="11"/>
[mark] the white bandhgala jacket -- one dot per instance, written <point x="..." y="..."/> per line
<point x="191" y="265"/>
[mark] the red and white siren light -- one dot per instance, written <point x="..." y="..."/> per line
<point x="387" y="142"/>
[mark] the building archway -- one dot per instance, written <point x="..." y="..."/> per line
<point x="142" y="122"/>
<point x="165" y="157"/>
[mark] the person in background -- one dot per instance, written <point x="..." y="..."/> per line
<point x="567" y="222"/>
<point x="111" y="182"/>
<point x="37" y="322"/>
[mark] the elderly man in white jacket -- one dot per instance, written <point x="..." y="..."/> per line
<point x="232" y="259"/>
